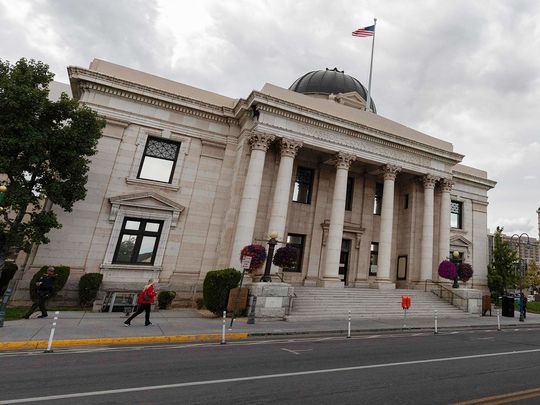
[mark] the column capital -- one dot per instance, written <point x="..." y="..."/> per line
<point x="446" y="184"/>
<point x="289" y="147"/>
<point x="344" y="160"/>
<point x="390" y="171"/>
<point x="260" y="140"/>
<point x="429" y="181"/>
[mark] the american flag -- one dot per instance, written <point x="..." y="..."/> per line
<point x="364" y="32"/>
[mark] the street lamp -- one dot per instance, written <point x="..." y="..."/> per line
<point x="272" y="242"/>
<point x="520" y="267"/>
<point x="455" y="255"/>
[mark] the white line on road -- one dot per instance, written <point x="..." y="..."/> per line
<point x="298" y="351"/>
<point x="259" y="377"/>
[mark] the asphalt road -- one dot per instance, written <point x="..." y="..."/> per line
<point x="370" y="369"/>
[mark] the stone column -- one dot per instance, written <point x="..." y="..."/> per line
<point x="385" y="235"/>
<point x="426" y="255"/>
<point x="337" y="217"/>
<point x="282" y="191"/>
<point x="247" y="212"/>
<point x="444" y="229"/>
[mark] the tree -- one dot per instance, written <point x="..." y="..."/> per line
<point x="501" y="272"/>
<point x="44" y="154"/>
<point x="532" y="277"/>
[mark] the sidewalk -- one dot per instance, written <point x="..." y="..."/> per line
<point x="75" y="327"/>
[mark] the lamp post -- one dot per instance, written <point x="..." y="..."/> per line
<point x="520" y="267"/>
<point x="272" y="242"/>
<point x="455" y="255"/>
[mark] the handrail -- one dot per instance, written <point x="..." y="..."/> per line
<point x="444" y="287"/>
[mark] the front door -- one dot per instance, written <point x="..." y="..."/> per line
<point x="344" y="259"/>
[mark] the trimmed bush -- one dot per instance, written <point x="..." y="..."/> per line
<point x="9" y="271"/>
<point x="165" y="298"/>
<point x="89" y="287"/>
<point x="216" y="287"/>
<point x="62" y="274"/>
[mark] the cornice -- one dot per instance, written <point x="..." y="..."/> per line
<point x="474" y="180"/>
<point x="329" y="122"/>
<point x="91" y="80"/>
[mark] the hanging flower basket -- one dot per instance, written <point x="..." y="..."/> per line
<point x="465" y="272"/>
<point x="447" y="270"/>
<point x="286" y="257"/>
<point x="257" y="253"/>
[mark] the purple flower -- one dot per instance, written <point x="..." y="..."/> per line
<point x="447" y="270"/>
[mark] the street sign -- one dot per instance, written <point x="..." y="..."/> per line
<point x="246" y="262"/>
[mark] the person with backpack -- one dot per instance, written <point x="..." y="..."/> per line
<point x="145" y="300"/>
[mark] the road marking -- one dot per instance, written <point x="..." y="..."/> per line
<point x="260" y="377"/>
<point x="504" y="398"/>
<point x="296" y="351"/>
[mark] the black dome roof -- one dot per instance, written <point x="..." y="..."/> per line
<point x="329" y="81"/>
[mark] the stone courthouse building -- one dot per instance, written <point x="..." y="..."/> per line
<point x="184" y="178"/>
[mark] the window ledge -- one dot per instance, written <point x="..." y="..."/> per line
<point x="132" y="180"/>
<point x="136" y="267"/>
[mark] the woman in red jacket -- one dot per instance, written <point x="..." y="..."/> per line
<point x="145" y="300"/>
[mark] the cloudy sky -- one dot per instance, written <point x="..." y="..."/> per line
<point x="467" y="72"/>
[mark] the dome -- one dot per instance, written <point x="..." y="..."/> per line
<point x="329" y="81"/>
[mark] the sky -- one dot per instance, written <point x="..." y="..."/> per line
<point x="463" y="71"/>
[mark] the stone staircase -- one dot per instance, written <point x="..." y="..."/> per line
<point x="334" y="303"/>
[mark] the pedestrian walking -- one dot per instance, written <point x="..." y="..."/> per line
<point x="523" y="306"/>
<point x="45" y="288"/>
<point x="145" y="300"/>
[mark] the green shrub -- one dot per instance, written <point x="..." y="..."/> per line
<point x="165" y="298"/>
<point x="216" y="287"/>
<point x="89" y="287"/>
<point x="9" y="271"/>
<point x="62" y="274"/>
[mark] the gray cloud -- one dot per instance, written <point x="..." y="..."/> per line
<point x="467" y="72"/>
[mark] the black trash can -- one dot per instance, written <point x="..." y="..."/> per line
<point x="508" y="306"/>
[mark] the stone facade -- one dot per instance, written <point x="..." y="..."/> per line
<point x="233" y="180"/>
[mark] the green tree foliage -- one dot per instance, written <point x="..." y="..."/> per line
<point x="88" y="288"/>
<point x="216" y="287"/>
<point x="532" y="277"/>
<point x="10" y="269"/>
<point x="501" y="272"/>
<point x="61" y="276"/>
<point x="45" y="148"/>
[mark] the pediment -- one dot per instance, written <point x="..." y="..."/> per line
<point x="460" y="241"/>
<point x="351" y="99"/>
<point x="147" y="200"/>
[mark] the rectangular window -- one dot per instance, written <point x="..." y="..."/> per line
<point x="456" y="214"/>
<point x="377" y="203"/>
<point x="159" y="160"/>
<point x="406" y="201"/>
<point x="373" y="258"/>
<point x="298" y="241"/>
<point x="303" y="185"/>
<point x="138" y="241"/>
<point x="349" y="196"/>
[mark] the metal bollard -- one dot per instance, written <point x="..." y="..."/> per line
<point x="498" y="320"/>
<point x="349" y="326"/>
<point x="251" y="316"/>
<point x="436" y="330"/>
<point x="223" y="328"/>
<point x="404" y="318"/>
<point x="51" y="336"/>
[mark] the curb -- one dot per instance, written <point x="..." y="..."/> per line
<point x="42" y="344"/>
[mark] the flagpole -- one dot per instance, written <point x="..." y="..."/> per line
<point x="368" y="101"/>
